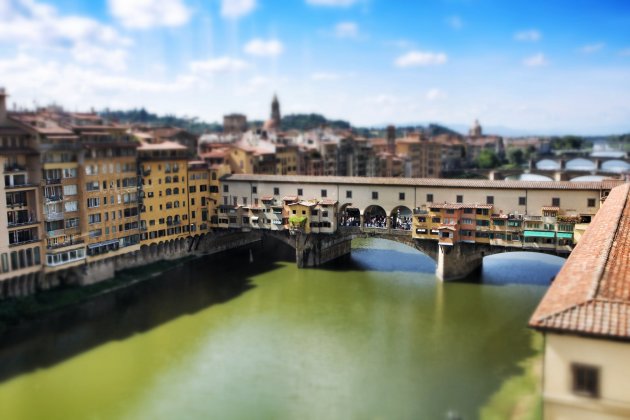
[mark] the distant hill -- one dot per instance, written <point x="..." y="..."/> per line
<point x="305" y="122"/>
<point x="142" y="116"/>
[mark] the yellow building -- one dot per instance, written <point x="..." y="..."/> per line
<point x="200" y="206"/>
<point x="287" y="158"/>
<point x="164" y="173"/>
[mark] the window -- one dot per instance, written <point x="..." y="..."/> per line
<point x="91" y="186"/>
<point x="401" y="196"/>
<point x="590" y="202"/>
<point x="490" y="199"/>
<point x="254" y="189"/>
<point x="348" y="194"/>
<point x="522" y="201"/>
<point x="226" y="188"/>
<point x="300" y="191"/>
<point x="459" y="199"/>
<point x="276" y="191"/>
<point x="93" y="202"/>
<point x="374" y="195"/>
<point x="324" y="193"/>
<point x="71" y="206"/>
<point x="555" y="201"/>
<point x="585" y="380"/>
<point x="429" y="198"/>
<point x="70" y="189"/>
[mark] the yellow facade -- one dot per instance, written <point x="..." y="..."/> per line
<point x="164" y="213"/>
<point x="200" y="205"/>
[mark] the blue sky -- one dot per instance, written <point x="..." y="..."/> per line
<point x="540" y="66"/>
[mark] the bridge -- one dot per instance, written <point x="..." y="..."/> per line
<point x="567" y="169"/>
<point x="455" y="222"/>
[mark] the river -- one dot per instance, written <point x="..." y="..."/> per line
<point x="372" y="336"/>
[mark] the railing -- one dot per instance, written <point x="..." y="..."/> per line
<point x="18" y="224"/>
<point x="53" y="198"/>
<point x="52" y="181"/>
<point x="420" y="211"/>
<point x="24" y="242"/>
<point x="529" y="218"/>
<point x="64" y="244"/>
<point x="14" y="168"/>
<point x="51" y="217"/>
<point x="57" y="232"/>
<point x="13" y="205"/>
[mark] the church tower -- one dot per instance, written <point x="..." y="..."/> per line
<point x="275" y="112"/>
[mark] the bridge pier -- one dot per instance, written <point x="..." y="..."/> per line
<point x="459" y="260"/>
<point x="312" y="250"/>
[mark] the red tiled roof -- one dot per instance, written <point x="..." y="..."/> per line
<point x="591" y="294"/>
<point x="290" y="198"/>
<point x="266" y="197"/>
<point x="328" y="202"/>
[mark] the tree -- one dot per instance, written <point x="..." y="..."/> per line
<point x="516" y="156"/>
<point x="487" y="159"/>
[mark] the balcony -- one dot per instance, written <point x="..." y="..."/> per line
<point x="14" y="168"/>
<point x="52" y="216"/>
<point x="420" y="211"/>
<point x="24" y="241"/>
<point x="530" y="218"/>
<point x="17" y="205"/>
<point x="52" y="181"/>
<point x="64" y="244"/>
<point x="19" y="223"/>
<point x="55" y="233"/>
<point x="53" y="198"/>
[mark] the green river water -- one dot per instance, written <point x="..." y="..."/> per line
<point x="375" y="336"/>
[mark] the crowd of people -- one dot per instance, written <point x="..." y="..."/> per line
<point x="377" y="221"/>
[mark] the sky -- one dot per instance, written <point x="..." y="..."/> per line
<point x="536" y="66"/>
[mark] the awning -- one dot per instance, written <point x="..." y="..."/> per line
<point x="254" y="218"/>
<point x="567" y="235"/>
<point x="539" y="234"/>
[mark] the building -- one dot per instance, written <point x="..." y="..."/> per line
<point x="274" y="123"/>
<point x="585" y="318"/>
<point x="165" y="205"/>
<point x="234" y="123"/>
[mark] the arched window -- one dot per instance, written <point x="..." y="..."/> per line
<point x="168" y="180"/>
<point x="175" y="190"/>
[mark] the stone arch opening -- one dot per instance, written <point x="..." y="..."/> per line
<point x="349" y="216"/>
<point x="401" y="218"/>
<point x="375" y="216"/>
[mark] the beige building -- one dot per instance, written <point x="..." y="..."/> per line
<point x="585" y="317"/>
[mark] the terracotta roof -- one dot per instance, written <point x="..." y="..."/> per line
<point x="429" y="182"/>
<point x="266" y="198"/>
<point x="290" y="198"/>
<point x="328" y="202"/>
<point x="591" y="294"/>
<point x="165" y="145"/>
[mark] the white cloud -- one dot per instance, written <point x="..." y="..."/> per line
<point x="455" y="22"/>
<point x="31" y="24"/>
<point x="331" y="3"/>
<point x="111" y="58"/>
<point x="346" y="30"/>
<point x="420" y="59"/>
<point x="530" y="35"/>
<point x="591" y="48"/>
<point x="234" y="9"/>
<point x="218" y="65"/>
<point x="435" y="94"/>
<point x="144" y="14"/>
<point x="325" y="76"/>
<point x="264" y="48"/>
<point x="536" y="60"/>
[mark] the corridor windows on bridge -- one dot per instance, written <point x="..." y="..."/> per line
<point x="401" y="196"/>
<point x="429" y="198"/>
<point x="276" y="191"/>
<point x="226" y="188"/>
<point x="254" y="189"/>
<point x="490" y="199"/>
<point x="585" y="380"/>
<point x="374" y="195"/>
<point x="522" y="201"/>
<point x="555" y="201"/>
<point x="348" y="194"/>
<point x="324" y="193"/>
<point x="300" y="191"/>
<point x="590" y="202"/>
<point x="459" y="199"/>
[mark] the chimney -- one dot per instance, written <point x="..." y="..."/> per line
<point x="391" y="139"/>
<point x="3" y="106"/>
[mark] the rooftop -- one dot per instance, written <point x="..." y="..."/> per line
<point x="427" y="182"/>
<point x="591" y="294"/>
